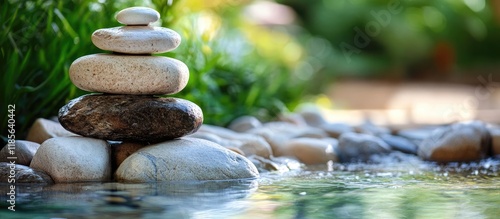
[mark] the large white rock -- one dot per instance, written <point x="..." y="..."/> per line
<point x="311" y="150"/>
<point x="137" y="16"/>
<point x="74" y="159"/>
<point x="129" y="74"/>
<point x="136" y="39"/>
<point x="184" y="159"/>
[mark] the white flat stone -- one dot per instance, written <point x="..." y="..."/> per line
<point x="128" y="74"/>
<point x="137" y="16"/>
<point x="136" y="39"/>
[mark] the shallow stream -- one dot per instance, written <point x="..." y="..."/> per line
<point x="386" y="189"/>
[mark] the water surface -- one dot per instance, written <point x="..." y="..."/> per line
<point x="386" y="189"/>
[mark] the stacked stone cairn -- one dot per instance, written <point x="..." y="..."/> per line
<point x="125" y="108"/>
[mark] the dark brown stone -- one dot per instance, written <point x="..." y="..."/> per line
<point x="131" y="118"/>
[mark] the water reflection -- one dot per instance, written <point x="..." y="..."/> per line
<point x="388" y="188"/>
<point x="146" y="200"/>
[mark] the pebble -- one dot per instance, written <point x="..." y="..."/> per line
<point x="136" y="39"/>
<point x="129" y="74"/>
<point x="23" y="174"/>
<point x="310" y="151"/>
<point x="250" y="144"/>
<point x="74" y="159"/>
<point x="43" y="129"/>
<point x="244" y="123"/>
<point x="185" y="159"/>
<point x="399" y="143"/>
<point x="369" y="128"/>
<point x="459" y="142"/>
<point x="334" y="130"/>
<point x="355" y="147"/>
<point x="23" y="152"/>
<point x="313" y="117"/>
<point x="137" y="16"/>
<point x="293" y="118"/>
<point x="120" y="152"/>
<point x="131" y="118"/>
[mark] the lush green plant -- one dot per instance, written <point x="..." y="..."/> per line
<point x="231" y="73"/>
<point x="418" y="32"/>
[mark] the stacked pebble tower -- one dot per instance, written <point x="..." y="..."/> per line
<point x="125" y="107"/>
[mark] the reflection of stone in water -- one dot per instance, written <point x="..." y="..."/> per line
<point x="180" y="199"/>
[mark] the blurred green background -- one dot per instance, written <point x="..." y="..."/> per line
<point x="247" y="57"/>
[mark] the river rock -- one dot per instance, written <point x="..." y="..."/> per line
<point x="355" y="147"/>
<point x="22" y="174"/>
<point x="310" y="150"/>
<point x="249" y="144"/>
<point x="120" y="152"/>
<point x="131" y="118"/>
<point x="293" y="118"/>
<point x="136" y="39"/>
<point x="74" y="159"/>
<point x="244" y="123"/>
<point x="185" y="159"/>
<point x="137" y="16"/>
<point x="293" y="131"/>
<point x="23" y="152"/>
<point x="313" y="117"/>
<point x="43" y="129"/>
<point x="399" y="143"/>
<point x="460" y="142"/>
<point x="129" y="74"/>
<point x="495" y="141"/>
<point x="334" y="130"/>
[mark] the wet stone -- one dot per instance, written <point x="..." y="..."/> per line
<point x="354" y="147"/>
<point x="23" y="152"/>
<point x="131" y="118"/>
<point x="184" y="159"/>
<point x="22" y="174"/>
<point x="74" y="159"/>
<point x="399" y="143"/>
<point x="43" y="129"/>
<point x="460" y="142"/>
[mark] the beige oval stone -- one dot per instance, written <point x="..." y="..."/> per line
<point x="244" y="123"/>
<point x="136" y="39"/>
<point x="137" y="16"/>
<point x="43" y="129"/>
<point x="128" y="74"/>
<point x="311" y="150"/>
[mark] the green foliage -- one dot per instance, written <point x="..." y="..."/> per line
<point x="229" y="76"/>
<point x="414" y="33"/>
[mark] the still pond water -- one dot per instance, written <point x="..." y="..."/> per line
<point x="387" y="189"/>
